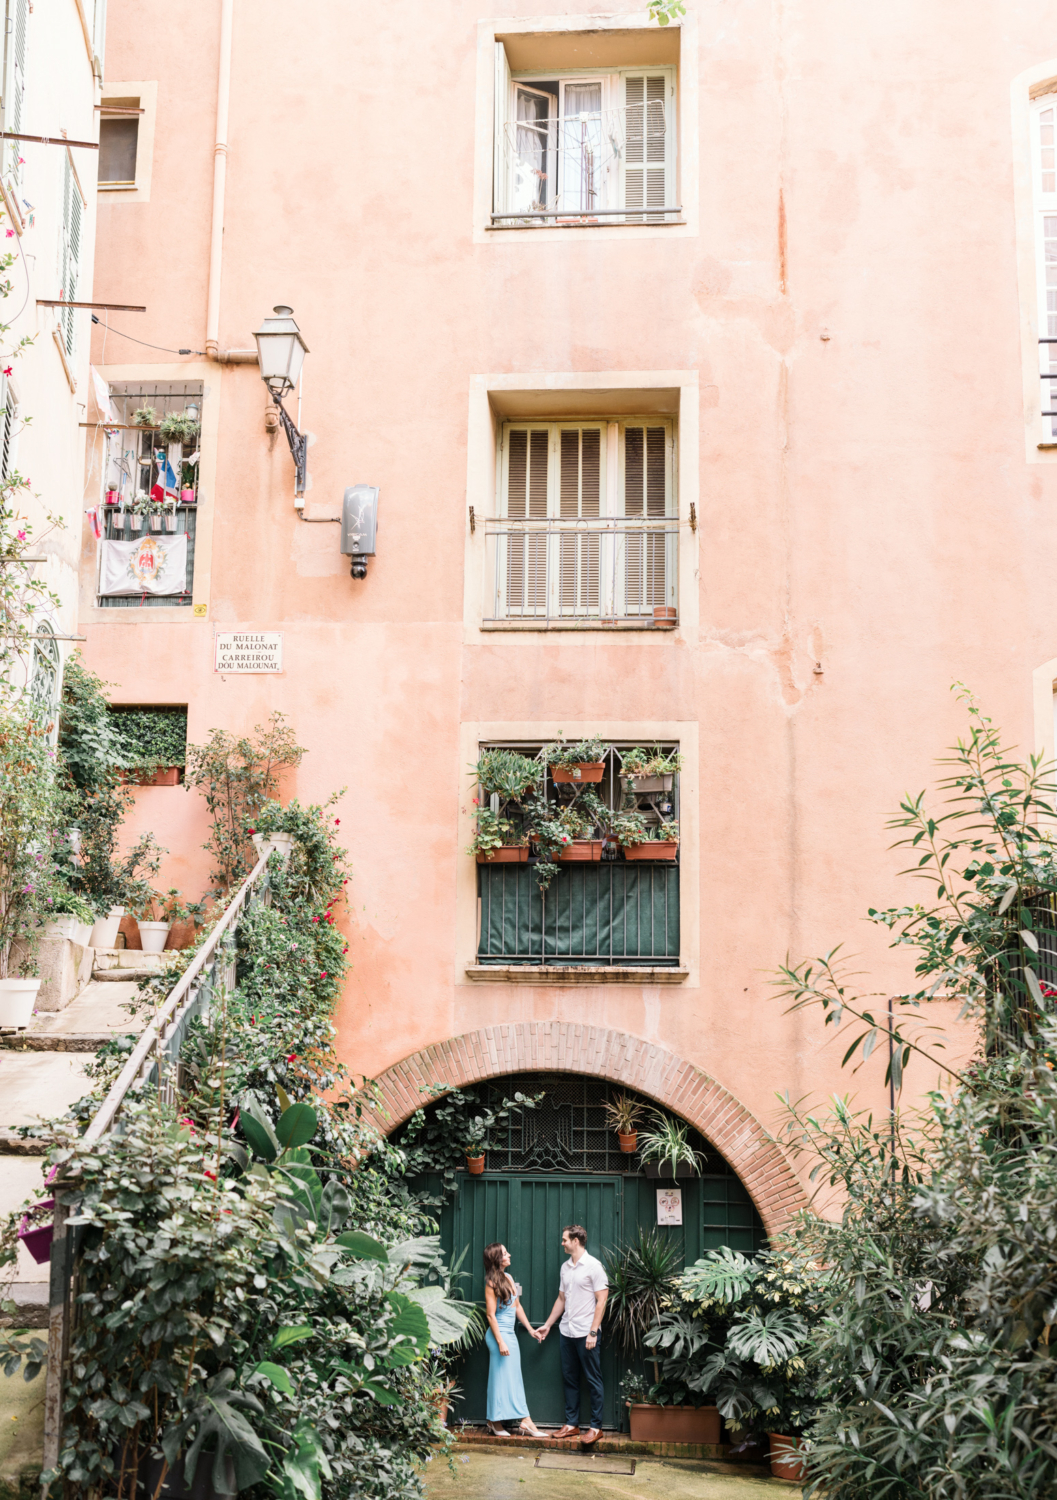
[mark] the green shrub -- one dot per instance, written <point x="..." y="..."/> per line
<point x="147" y="738"/>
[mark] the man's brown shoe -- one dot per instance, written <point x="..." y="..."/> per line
<point x="567" y="1431"/>
<point x="590" y="1436"/>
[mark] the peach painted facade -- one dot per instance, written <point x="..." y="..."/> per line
<point x="837" y="331"/>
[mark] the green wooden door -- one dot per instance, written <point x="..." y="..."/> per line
<point x="528" y="1214"/>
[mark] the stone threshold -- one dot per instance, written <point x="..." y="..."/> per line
<point x="574" y="974"/>
<point x="621" y="1443"/>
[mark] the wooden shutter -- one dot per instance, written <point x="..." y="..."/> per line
<point x="71" y="251"/>
<point x="647" y="146"/>
<point x="647" y="495"/>
<point x="14" y="107"/>
<point x="1044" y="174"/>
<point x="501" y="153"/>
<point x="526" y="500"/>
<point x="579" y="498"/>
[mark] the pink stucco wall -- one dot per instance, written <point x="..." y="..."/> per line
<point x="864" y="498"/>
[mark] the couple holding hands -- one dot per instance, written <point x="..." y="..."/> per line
<point x="580" y="1305"/>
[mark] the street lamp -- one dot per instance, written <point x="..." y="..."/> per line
<point x="280" y="352"/>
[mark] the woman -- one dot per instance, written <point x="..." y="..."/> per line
<point x="506" y="1389"/>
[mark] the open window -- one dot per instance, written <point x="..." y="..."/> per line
<point x="580" y="146"/>
<point x="587" y="526"/>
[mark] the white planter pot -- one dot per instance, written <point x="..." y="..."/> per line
<point x="104" y="933"/>
<point x="82" y="934"/>
<point x="152" y="935"/>
<point x="17" y="999"/>
<point x="273" y="843"/>
<point x="62" y="927"/>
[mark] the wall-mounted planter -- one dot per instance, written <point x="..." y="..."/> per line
<point x="506" y="854"/>
<point x="36" y="1236"/>
<point x="586" y="771"/>
<point x="665" y="616"/>
<point x="673" y="1424"/>
<point x="628" y="1143"/>
<point x="163" y="776"/>
<point x="583" y="849"/>
<point x="135" y="522"/>
<point x="653" y="1169"/>
<point x="153" y="935"/>
<point x="784" y="1461"/>
<point x="155" y="523"/>
<point x="475" y="1165"/>
<point x="17" y="999"/>
<point x="170" y="521"/>
<point x="104" y="933"/>
<point x="652" y="849"/>
<point x="647" y="783"/>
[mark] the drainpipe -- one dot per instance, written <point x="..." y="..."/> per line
<point x="220" y="167"/>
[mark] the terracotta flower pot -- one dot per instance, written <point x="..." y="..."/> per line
<point x="652" y="849"/>
<point x="583" y="849"/>
<point x="673" y="1424"/>
<point x="665" y="616"/>
<point x="784" y="1464"/>
<point x="628" y="1142"/>
<point x="506" y="854"/>
<point x="475" y="1165"/>
<point x="586" y="771"/>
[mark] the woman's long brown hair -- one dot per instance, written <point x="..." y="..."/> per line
<point x="494" y="1275"/>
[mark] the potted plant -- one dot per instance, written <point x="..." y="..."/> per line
<point x="271" y="833"/>
<point x="641" y="839"/>
<point x="35" y="1234"/>
<point x="623" y="1114"/>
<point x="178" y="427"/>
<point x="649" y="770"/>
<point x="497" y="841"/>
<point x="642" y="1279"/>
<point x="668" y="1145"/>
<point x="155" y="512"/>
<point x="145" y="416"/>
<point x="104" y="932"/>
<point x="72" y="916"/>
<point x="149" y="912"/>
<point x="169" y="508"/>
<point x="474" y="1144"/>
<point x="786" y="1453"/>
<point x="579" y="763"/>
<point x="137" y="510"/>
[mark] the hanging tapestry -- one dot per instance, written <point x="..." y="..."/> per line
<point x="152" y="564"/>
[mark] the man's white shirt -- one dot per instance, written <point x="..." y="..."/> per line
<point x="579" y="1283"/>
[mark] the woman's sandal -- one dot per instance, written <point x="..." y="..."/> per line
<point x="532" y="1431"/>
<point x="497" y="1431"/>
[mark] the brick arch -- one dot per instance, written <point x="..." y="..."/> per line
<point x="564" y="1047"/>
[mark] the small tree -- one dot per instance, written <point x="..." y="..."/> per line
<point x="236" y="776"/>
<point x="32" y="810"/>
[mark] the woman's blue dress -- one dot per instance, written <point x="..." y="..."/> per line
<point x="506" y="1389"/>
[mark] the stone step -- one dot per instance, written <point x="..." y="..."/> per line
<point x="38" y="1085"/>
<point x="96" y="1015"/>
<point x="110" y="961"/>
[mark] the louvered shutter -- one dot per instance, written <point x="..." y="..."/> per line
<point x="14" y="104"/>
<point x="501" y="142"/>
<point x="1045" y="193"/>
<point x="71" y="252"/>
<point x="647" y="145"/>
<point x="526" y="500"/>
<point x="579" y="499"/>
<point x="646" y="496"/>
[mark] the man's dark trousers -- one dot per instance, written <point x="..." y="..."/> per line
<point x="578" y="1360"/>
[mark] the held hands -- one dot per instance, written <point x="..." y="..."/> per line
<point x="539" y="1334"/>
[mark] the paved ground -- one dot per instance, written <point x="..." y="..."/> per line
<point x="39" y="1085"/>
<point x="21" y="1425"/>
<point x="497" y="1476"/>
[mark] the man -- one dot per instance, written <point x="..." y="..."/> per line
<point x="581" y="1304"/>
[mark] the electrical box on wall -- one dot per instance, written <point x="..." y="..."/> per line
<point x="359" y="525"/>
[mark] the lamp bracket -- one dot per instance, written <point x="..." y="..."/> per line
<point x="298" y="446"/>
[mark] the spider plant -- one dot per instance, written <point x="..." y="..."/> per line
<point x="668" y="1144"/>
<point x="623" y="1114"/>
<point x="641" y="1279"/>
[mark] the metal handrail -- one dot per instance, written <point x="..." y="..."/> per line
<point x="181" y="1001"/>
<point x="110" y="1106"/>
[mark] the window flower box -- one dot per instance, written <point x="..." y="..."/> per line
<point x="583" y="772"/>
<point x="506" y="854"/>
<point x="583" y="849"/>
<point x="163" y="776"/>
<point x="647" y="783"/>
<point x="652" y="849"/>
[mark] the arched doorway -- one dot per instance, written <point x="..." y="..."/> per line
<point x="560" y="1163"/>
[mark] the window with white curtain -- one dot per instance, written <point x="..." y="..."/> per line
<point x="580" y="149"/>
<point x="1044" y="193"/>
<point x="586" y="528"/>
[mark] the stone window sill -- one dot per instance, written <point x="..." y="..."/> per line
<point x="574" y="974"/>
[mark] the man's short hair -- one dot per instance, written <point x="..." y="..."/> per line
<point x="576" y="1232"/>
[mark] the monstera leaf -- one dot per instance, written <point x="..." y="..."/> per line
<point x="449" y="1322"/>
<point x="224" y="1432"/>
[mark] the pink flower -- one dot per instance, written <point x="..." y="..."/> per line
<point x="292" y="1057"/>
<point x="345" y="949"/>
<point x="336" y="822"/>
<point x="323" y="975"/>
<point x="22" y="536"/>
<point x="10" y="234"/>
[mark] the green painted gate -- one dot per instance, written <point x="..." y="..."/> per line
<point x="528" y="1214"/>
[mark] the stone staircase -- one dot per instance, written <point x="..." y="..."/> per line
<point x="41" y="1075"/>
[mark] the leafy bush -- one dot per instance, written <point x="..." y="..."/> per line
<point x="146" y="738"/>
<point x="32" y="811"/>
<point x="439" y="1138"/>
